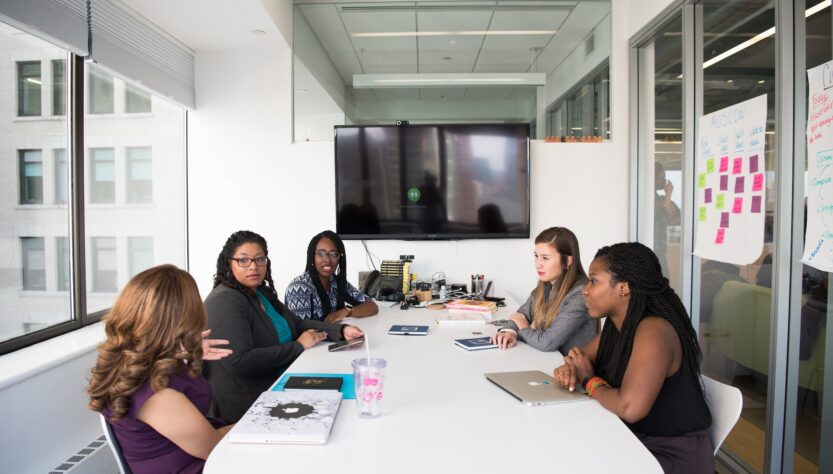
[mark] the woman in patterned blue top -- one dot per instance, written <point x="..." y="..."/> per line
<point x="322" y="292"/>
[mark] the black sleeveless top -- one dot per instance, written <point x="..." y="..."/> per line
<point x="678" y="408"/>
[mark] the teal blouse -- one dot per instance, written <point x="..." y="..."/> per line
<point x="284" y="333"/>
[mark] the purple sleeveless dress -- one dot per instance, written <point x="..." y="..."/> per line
<point x="147" y="451"/>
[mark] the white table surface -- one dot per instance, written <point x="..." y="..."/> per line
<point x="441" y="415"/>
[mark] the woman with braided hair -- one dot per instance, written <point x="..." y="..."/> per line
<point x="322" y="292"/>
<point x="265" y="335"/>
<point x="645" y="365"/>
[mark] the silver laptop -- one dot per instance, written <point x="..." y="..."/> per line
<point x="534" y="388"/>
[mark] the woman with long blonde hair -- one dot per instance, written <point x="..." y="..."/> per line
<point x="147" y="380"/>
<point x="554" y="317"/>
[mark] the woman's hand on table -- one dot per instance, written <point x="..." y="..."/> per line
<point x="337" y="315"/>
<point x="311" y="337"/>
<point x="577" y="367"/>
<point x="209" y="352"/>
<point x="505" y="339"/>
<point x="351" y="332"/>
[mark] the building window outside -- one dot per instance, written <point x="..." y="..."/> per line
<point x="139" y="175"/>
<point x="28" y="88"/>
<point x="59" y="87"/>
<point x="31" y="176"/>
<point x="140" y="254"/>
<point x="59" y="156"/>
<point x="584" y="111"/>
<point x="105" y="277"/>
<point x="102" y="176"/>
<point x="62" y="263"/>
<point x="136" y="101"/>
<point x="100" y="92"/>
<point x="33" y="263"/>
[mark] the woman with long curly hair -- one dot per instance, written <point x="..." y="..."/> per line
<point x="147" y="379"/>
<point x="265" y="335"/>
<point x="554" y="317"/>
<point x="645" y="366"/>
<point x="322" y="292"/>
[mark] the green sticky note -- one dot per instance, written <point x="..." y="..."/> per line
<point x="701" y="180"/>
<point x="702" y="214"/>
<point x="710" y="165"/>
<point x="720" y="201"/>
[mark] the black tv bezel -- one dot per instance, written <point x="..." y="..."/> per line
<point x="443" y="236"/>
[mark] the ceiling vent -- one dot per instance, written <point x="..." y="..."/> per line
<point x="590" y="44"/>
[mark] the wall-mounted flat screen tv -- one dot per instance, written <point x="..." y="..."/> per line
<point x="432" y="181"/>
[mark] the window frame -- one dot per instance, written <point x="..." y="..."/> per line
<point x="25" y="267"/>
<point x="21" y="90"/>
<point x="22" y="178"/>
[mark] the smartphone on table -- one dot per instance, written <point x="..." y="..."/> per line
<point x="346" y="344"/>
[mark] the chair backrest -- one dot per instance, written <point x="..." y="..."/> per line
<point x="114" y="445"/>
<point x="725" y="403"/>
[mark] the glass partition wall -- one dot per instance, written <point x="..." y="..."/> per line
<point x="694" y="59"/>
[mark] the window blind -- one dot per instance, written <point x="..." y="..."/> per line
<point x="62" y="22"/>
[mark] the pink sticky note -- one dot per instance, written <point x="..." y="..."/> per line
<point x="737" y="207"/>
<point x="724" y="219"/>
<point x="724" y="164"/>
<point x="721" y="234"/>
<point x="739" y="182"/>
<point x="708" y="196"/>
<point x="737" y="166"/>
<point x="756" y="204"/>
<point x="753" y="164"/>
<point x="758" y="182"/>
<point x="724" y="182"/>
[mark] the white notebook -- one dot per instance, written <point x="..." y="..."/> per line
<point x="303" y="417"/>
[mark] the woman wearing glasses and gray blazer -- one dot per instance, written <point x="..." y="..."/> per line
<point x="264" y="335"/>
<point x="322" y="292"/>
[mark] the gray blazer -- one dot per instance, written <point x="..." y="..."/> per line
<point x="258" y="360"/>
<point x="572" y="325"/>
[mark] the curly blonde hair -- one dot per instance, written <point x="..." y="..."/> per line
<point x="153" y="330"/>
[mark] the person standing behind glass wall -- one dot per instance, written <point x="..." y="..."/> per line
<point x="322" y="292"/>
<point x="554" y="317"/>
<point x="265" y="335"/>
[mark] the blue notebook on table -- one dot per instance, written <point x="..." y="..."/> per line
<point x="348" y="390"/>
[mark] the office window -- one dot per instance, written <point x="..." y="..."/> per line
<point x="31" y="176"/>
<point x="33" y="264"/>
<point x="28" y="88"/>
<point x="62" y="262"/>
<point x="136" y="101"/>
<point x="584" y="111"/>
<point x="140" y="254"/>
<point x="139" y="175"/>
<point x="100" y="87"/>
<point x="59" y="158"/>
<point x="105" y="265"/>
<point x="59" y="87"/>
<point x="102" y="175"/>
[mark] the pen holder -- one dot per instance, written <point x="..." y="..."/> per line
<point x="423" y="295"/>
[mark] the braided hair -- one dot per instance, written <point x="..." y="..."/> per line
<point x="225" y="276"/>
<point x="341" y="274"/>
<point x="639" y="266"/>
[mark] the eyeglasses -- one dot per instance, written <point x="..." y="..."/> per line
<point x="322" y="254"/>
<point x="247" y="262"/>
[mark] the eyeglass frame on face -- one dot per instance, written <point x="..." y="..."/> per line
<point x="246" y="262"/>
<point x="332" y="254"/>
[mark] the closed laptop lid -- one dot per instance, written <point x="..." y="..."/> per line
<point x="534" y="387"/>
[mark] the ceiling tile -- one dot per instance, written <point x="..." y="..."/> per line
<point x="528" y="20"/>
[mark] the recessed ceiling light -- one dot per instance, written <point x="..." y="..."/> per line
<point x="258" y="32"/>
<point x="761" y="81"/>
<point x="730" y="81"/>
<point x="393" y="34"/>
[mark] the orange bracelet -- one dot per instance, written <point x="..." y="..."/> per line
<point x="593" y="384"/>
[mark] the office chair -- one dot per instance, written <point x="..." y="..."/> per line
<point x="725" y="403"/>
<point x="114" y="445"/>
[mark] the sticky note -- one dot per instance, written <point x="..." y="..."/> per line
<point x="756" y="204"/>
<point x="721" y="234"/>
<point x="724" y="182"/>
<point x="737" y="207"/>
<point x="737" y="166"/>
<point x="720" y="202"/>
<point x="702" y="214"/>
<point x="739" y="184"/>
<point x="724" y="219"/>
<point x="724" y="164"/>
<point x="753" y="164"/>
<point x="758" y="182"/>
<point x="707" y="197"/>
<point x="710" y="166"/>
<point x="701" y="180"/>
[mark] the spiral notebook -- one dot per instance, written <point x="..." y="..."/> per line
<point x="476" y="343"/>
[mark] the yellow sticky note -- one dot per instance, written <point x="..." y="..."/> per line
<point x="710" y="165"/>
<point x="701" y="180"/>
<point x="702" y="214"/>
<point x="720" y="201"/>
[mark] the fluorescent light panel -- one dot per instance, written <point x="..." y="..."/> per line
<point x="396" y="34"/>
<point x="375" y="81"/>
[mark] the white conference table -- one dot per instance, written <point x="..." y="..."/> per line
<point x="440" y="414"/>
